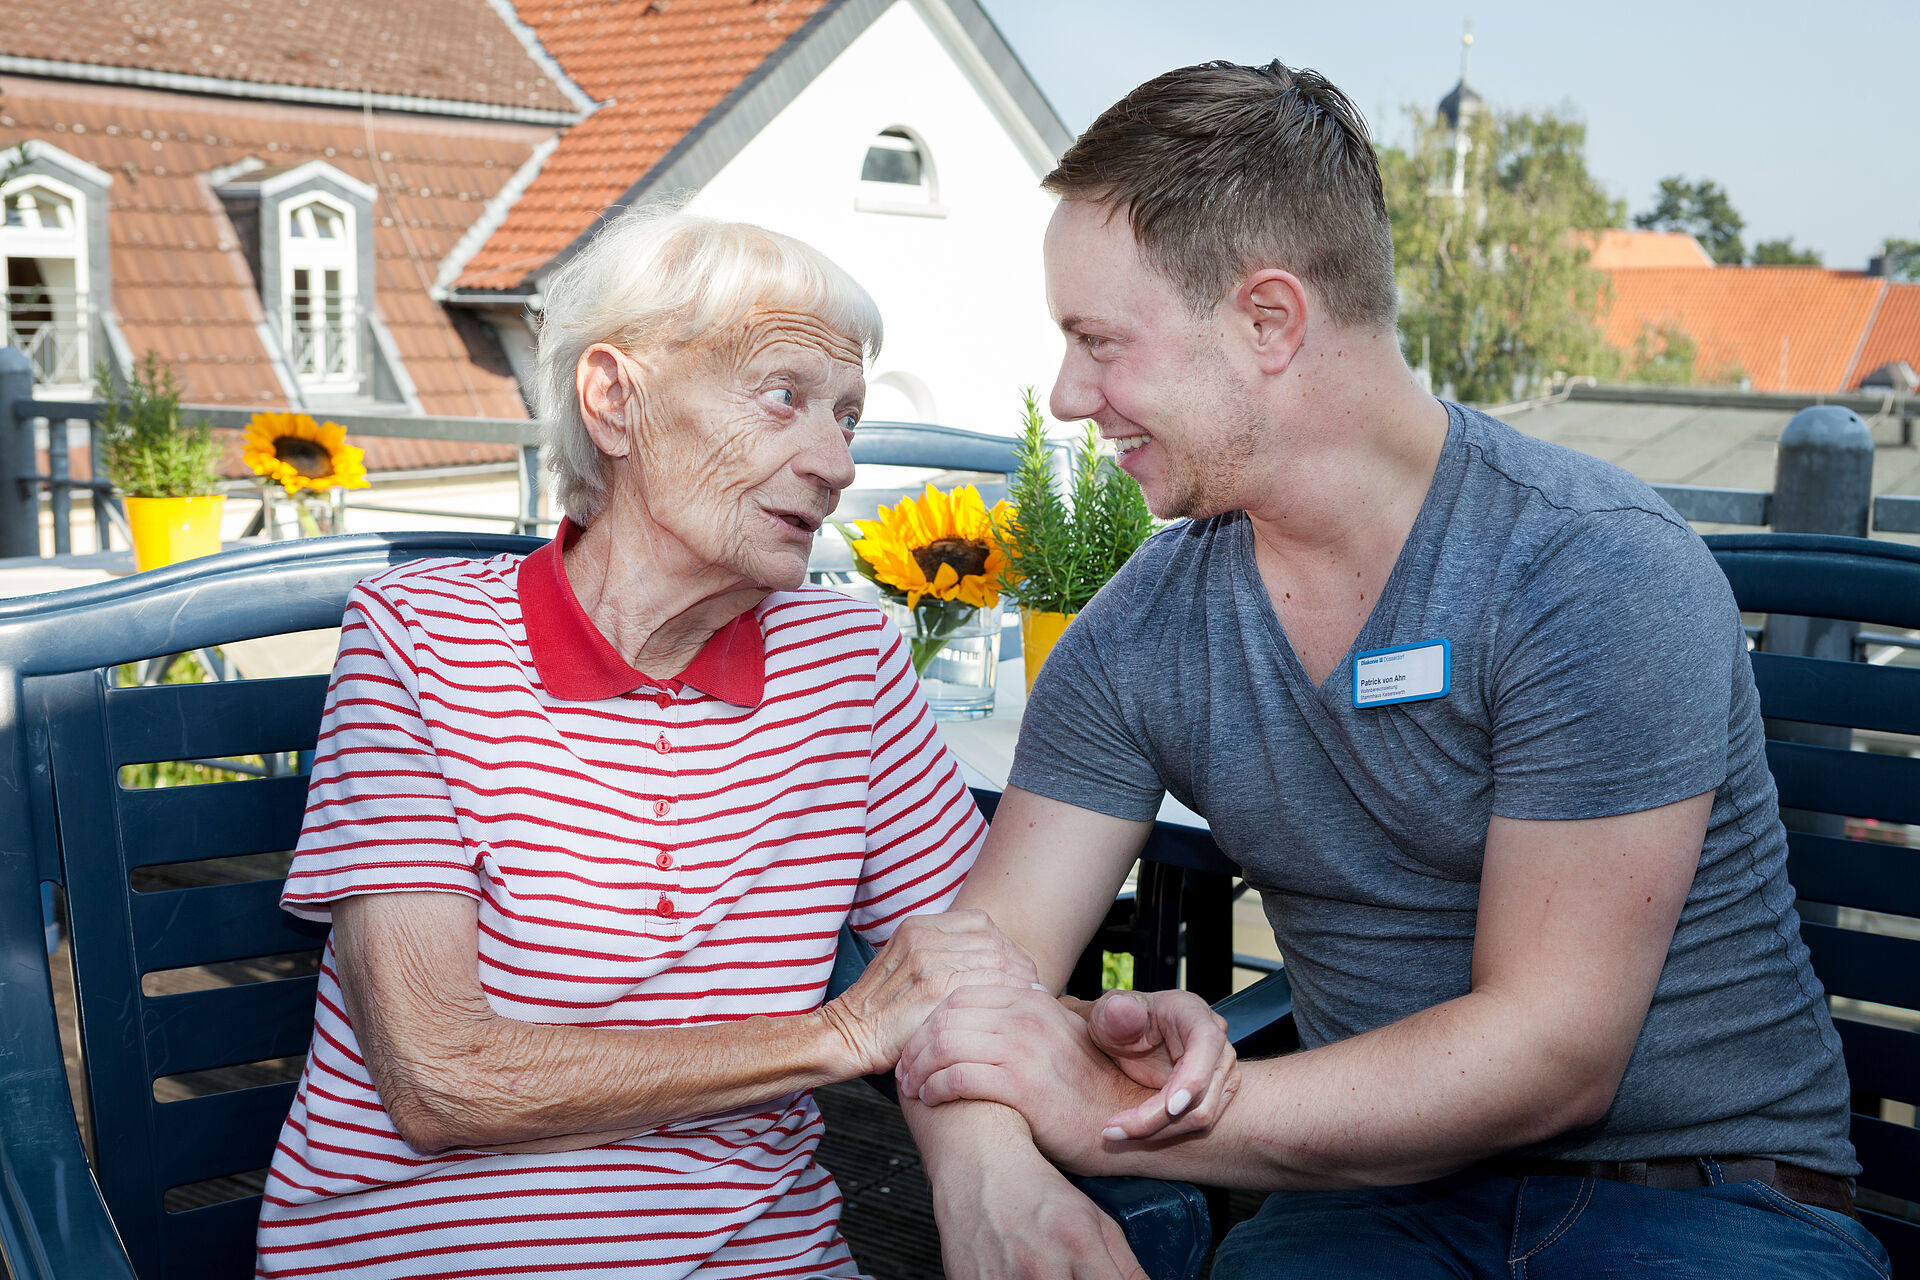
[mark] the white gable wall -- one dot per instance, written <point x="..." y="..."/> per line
<point x="962" y="294"/>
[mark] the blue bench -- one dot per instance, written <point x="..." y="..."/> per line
<point x="148" y="894"/>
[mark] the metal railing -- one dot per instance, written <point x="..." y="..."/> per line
<point x="50" y="326"/>
<point x="324" y="347"/>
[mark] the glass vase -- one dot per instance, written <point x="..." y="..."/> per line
<point x="956" y="651"/>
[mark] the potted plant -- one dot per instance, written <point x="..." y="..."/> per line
<point x="166" y="470"/>
<point x="304" y="459"/>
<point x="1060" y="552"/>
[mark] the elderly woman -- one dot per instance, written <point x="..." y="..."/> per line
<point x="587" y="822"/>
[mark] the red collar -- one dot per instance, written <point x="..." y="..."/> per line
<point x="577" y="664"/>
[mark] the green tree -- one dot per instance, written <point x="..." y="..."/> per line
<point x="1781" y="253"/>
<point x="1903" y="259"/>
<point x="1702" y="210"/>
<point x="1496" y="287"/>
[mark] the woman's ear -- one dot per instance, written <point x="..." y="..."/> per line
<point x="1269" y="310"/>
<point x="609" y="399"/>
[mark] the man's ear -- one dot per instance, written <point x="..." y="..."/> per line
<point x="1270" y="311"/>
<point x="609" y="402"/>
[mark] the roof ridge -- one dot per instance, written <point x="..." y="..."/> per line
<point x="537" y="52"/>
<point x="1866" y="331"/>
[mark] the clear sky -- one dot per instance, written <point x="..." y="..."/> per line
<point x="1806" y="113"/>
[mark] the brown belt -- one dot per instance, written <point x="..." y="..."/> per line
<point x="1680" y="1173"/>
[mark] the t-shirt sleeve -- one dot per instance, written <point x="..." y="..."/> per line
<point x="923" y="828"/>
<point x="380" y="818"/>
<point x="1613" y="675"/>
<point x="1080" y="742"/>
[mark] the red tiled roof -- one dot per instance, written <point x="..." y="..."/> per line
<point x="180" y="285"/>
<point x="661" y="68"/>
<point x="453" y="50"/>
<point x="1895" y="334"/>
<point x="1616" y="247"/>
<point x="1785" y="328"/>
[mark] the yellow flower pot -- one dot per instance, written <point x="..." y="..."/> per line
<point x="1039" y="630"/>
<point x="169" y="530"/>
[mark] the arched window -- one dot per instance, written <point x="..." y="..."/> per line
<point x="43" y="278"/>
<point x="897" y="175"/>
<point x="318" y="308"/>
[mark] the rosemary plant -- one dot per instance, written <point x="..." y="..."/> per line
<point x="148" y="451"/>
<point x="1060" y="553"/>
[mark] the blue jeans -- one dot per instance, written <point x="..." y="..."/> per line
<point x="1482" y="1227"/>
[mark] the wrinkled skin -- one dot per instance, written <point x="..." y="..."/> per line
<point x="727" y="455"/>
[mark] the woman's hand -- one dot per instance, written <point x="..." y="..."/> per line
<point x="927" y="959"/>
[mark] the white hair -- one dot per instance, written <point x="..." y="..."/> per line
<point x="656" y="279"/>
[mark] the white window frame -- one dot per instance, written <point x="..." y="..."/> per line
<point x="72" y="369"/>
<point x="921" y="200"/>
<point x="324" y="356"/>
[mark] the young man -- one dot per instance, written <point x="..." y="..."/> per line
<point x="1472" y="712"/>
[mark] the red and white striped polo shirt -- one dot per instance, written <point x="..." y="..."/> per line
<point x="642" y="853"/>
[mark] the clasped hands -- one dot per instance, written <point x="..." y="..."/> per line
<point x="1092" y="1080"/>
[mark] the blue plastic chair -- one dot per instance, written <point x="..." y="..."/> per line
<point x="1877" y="583"/>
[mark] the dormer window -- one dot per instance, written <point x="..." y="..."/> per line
<point x="319" y="312"/>
<point x="44" y="279"/>
<point x="897" y="175"/>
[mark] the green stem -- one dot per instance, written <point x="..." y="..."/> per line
<point x="934" y="622"/>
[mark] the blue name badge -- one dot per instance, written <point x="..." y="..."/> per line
<point x="1404" y="673"/>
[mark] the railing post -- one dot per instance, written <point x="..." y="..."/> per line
<point x="19" y="491"/>
<point x="1823" y="483"/>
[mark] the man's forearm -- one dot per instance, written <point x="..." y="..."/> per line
<point x="1421" y="1097"/>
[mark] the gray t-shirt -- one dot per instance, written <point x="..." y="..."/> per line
<point x="1597" y="668"/>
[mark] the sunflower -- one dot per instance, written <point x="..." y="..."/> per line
<point x="295" y="452"/>
<point x="940" y="546"/>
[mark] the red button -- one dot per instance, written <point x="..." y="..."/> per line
<point x="664" y="698"/>
<point x="664" y="861"/>
<point x="665" y="908"/>
<point x="660" y="808"/>
<point x="663" y="746"/>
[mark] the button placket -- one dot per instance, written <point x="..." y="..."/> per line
<point x="670" y="908"/>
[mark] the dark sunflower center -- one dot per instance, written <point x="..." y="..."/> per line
<point x="965" y="555"/>
<point x="308" y="457"/>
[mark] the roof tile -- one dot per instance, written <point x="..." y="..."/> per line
<point x="451" y="50"/>
<point x="1784" y="328"/>
<point x="660" y="72"/>
<point x="1895" y="334"/>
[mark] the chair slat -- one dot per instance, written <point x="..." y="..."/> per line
<point x="1823" y="691"/>
<point x="206" y="925"/>
<point x="1889" y="1156"/>
<point x="218" y="1135"/>
<point x="220" y="718"/>
<point x="229" y="1025"/>
<point x="1822" y="577"/>
<point x="213" y="820"/>
<point x="214" y="1242"/>
<point x="1865" y="966"/>
<point x="1860" y="784"/>
<point x="1880" y="1059"/>
<point x="1854" y="873"/>
<point x="1901" y="1238"/>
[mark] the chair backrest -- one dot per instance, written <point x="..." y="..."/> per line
<point x="1856" y="870"/>
<point x="176" y="954"/>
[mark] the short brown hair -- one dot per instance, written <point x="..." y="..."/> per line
<point x="1222" y="169"/>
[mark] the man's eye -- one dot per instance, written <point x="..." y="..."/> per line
<point x="1090" y="342"/>
<point x="848" y="421"/>
<point x="784" y="395"/>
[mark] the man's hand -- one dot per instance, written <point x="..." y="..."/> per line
<point x="1171" y="1042"/>
<point x="1022" y="1050"/>
<point x="927" y="959"/>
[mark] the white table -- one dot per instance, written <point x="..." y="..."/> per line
<point x="985" y="746"/>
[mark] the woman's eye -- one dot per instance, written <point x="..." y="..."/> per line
<point x="784" y="395"/>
